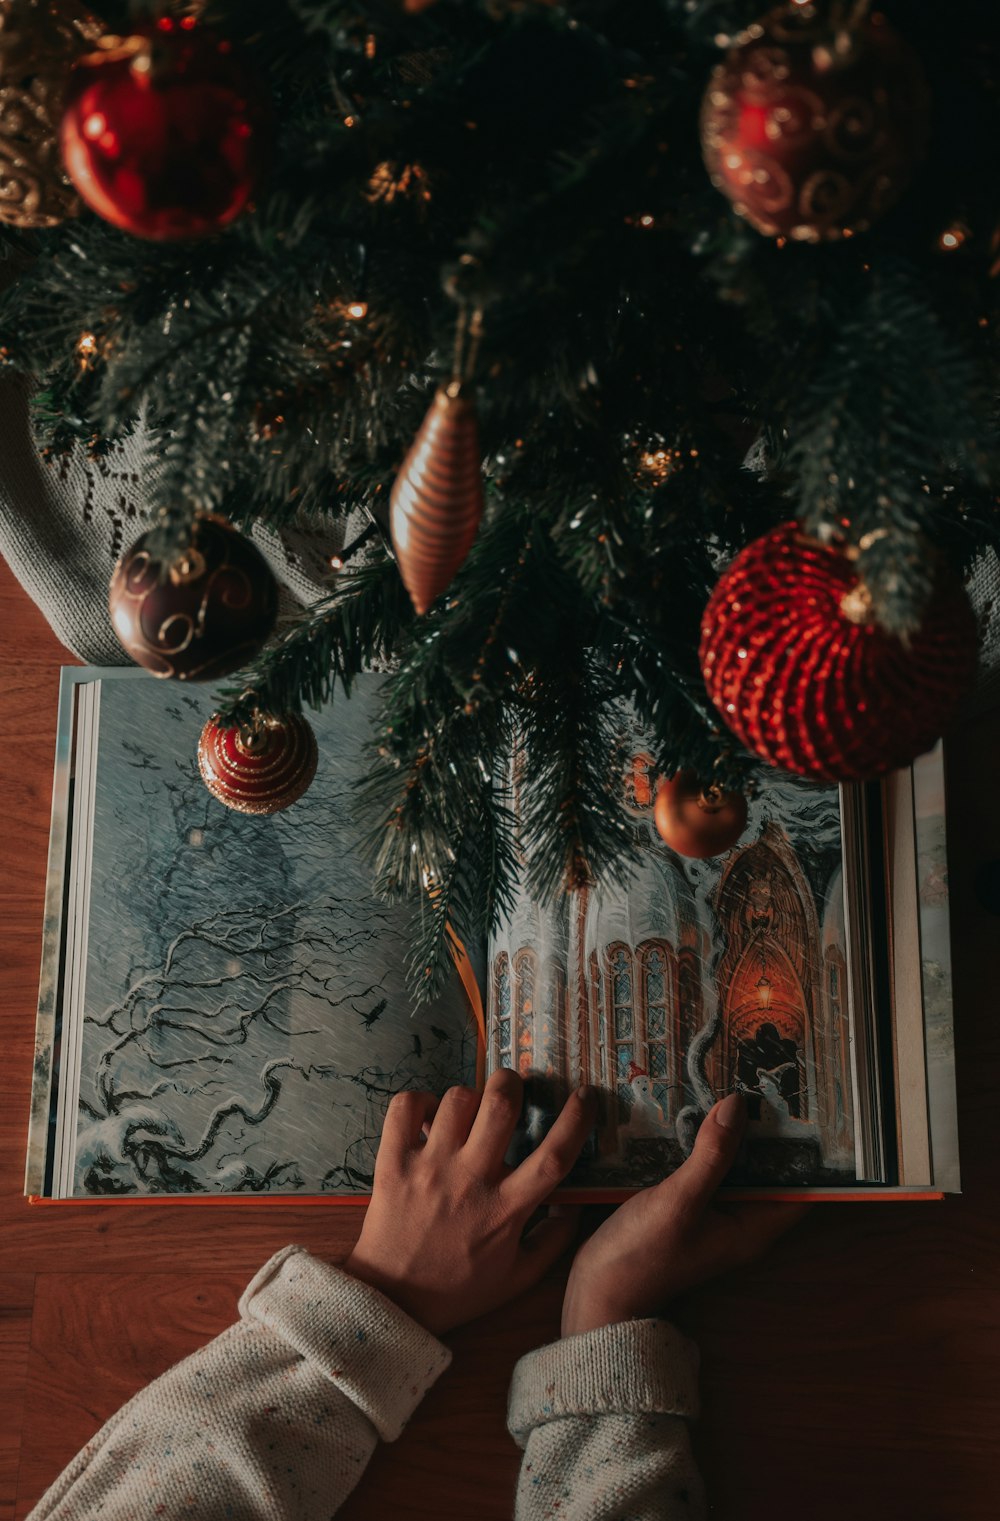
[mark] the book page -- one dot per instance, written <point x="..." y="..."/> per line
<point x="245" y="1014"/>
<point x="935" y="965"/>
<point x="910" y="1056"/>
<point x="55" y="930"/>
<point x="704" y="977"/>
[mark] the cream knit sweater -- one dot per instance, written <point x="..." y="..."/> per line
<point x="276" y="1418"/>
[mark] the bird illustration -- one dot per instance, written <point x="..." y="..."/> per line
<point x="418" y="1049"/>
<point x="374" y="1013"/>
<point x="438" y="1033"/>
<point x="143" y="762"/>
<point x="190" y="702"/>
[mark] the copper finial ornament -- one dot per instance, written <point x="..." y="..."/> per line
<point x="437" y="500"/>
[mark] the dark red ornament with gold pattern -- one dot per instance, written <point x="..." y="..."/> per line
<point x="807" y="680"/>
<point x="812" y="129"/>
<point x="695" y="820"/>
<point x="203" y="615"/>
<point x="260" y="767"/>
<point x="164" y="132"/>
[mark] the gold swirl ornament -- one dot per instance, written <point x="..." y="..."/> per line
<point x="436" y="503"/>
<point x="203" y="615"/>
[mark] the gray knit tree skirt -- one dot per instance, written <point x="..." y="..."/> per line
<point x="64" y="524"/>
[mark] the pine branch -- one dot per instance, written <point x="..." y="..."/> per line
<point x="568" y="749"/>
<point x="360" y="626"/>
<point x="895" y="414"/>
<point x="476" y="887"/>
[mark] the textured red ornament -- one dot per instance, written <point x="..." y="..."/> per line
<point x="808" y="687"/>
<point x="262" y="767"/>
<point x="811" y="131"/>
<point x="698" y="821"/>
<point x="163" y="132"/>
<point x="204" y="615"/>
<point x="437" y="499"/>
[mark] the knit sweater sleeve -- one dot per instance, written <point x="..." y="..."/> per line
<point x="603" y="1420"/>
<point x="276" y="1418"/>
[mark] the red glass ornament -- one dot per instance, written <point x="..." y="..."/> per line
<point x="204" y="615"/>
<point x="437" y="498"/>
<point x="810" y="130"/>
<point x="808" y="685"/>
<point x="163" y="132"/>
<point x="698" y="821"/>
<point x="261" y="767"/>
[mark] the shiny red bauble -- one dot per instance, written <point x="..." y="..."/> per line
<point x="811" y="129"/>
<point x="260" y="767"/>
<point x="695" y="820"/>
<point x="201" y="615"/>
<point x="163" y="132"/>
<point x="805" y="679"/>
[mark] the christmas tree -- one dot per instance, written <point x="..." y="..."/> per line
<point x="677" y="274"/>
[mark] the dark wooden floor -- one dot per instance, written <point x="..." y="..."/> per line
<point x="857" y="1373"/>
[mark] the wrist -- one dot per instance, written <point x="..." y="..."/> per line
<point x="581" y="1315"/>
<point x="402" y="1294"/>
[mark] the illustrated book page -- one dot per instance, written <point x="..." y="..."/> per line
<point x="223" y="1005"/>
<point x="701" y="978"/>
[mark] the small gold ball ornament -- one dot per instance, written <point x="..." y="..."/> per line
<point x="39" y="41"/>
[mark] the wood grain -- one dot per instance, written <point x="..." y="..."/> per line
<point x="16" y="1304"/>
<point x="856" y="1373"/>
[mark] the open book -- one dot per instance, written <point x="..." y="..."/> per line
<point x="222" y="1008"/>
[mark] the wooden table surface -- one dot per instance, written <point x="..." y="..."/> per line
<point x="856" y="1373"/>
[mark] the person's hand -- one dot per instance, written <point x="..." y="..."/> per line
<point x="442" y="1236"/>
<point x="671" y="1236"/>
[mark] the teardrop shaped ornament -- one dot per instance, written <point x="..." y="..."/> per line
<point x="436" y="503"/>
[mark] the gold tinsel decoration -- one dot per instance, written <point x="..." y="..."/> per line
<point x="39" y="41"/>
<point x="437" y="499"/>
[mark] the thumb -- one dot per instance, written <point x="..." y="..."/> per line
<point x="716" y="1144"/>
<point x="545" y="1243"/>
<point x="760" y="1222"/>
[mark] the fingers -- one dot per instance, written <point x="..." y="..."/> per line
<point x="405" y="1118"/>
<point x="453" y="1121"/>
<point x="715" y="1148"/>
<point x="544" y="1244"/>
<point x="495" y="1123"/>
<point x="546" y="1167"/>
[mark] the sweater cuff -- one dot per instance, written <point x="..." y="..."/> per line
<point x="380" y="1358"/>
<point x="635" y="1366"/>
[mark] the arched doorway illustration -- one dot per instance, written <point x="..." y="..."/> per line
<point x="765" y="1021"/>
<point x="769" y="976"/>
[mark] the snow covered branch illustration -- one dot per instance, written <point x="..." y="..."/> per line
<point x="200" y="1077"/>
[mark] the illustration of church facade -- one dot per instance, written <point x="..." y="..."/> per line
<point x="701" y="978"/>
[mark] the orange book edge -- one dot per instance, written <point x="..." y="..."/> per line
<point x="874" y="1195"/>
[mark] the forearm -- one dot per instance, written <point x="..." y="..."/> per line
<point x="603" y="1420"/>
<point x="275" y="1419"/>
